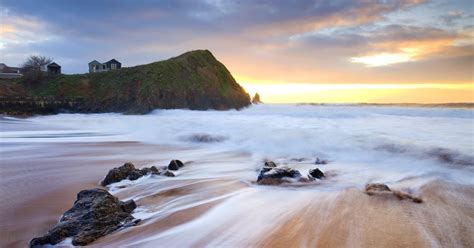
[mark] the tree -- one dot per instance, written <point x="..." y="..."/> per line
<point x="36" y="63"/>
<point x="34" y="67"/>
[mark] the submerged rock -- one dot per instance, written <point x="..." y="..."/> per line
<point x="127" y="171"/>
<point x="206" y="138"/>
<point x="94" y="214"/>
<point x="320" y="161"/>
<point x="168" y="173"/>
<point x="315" y="173"/>
<point x="379" y="188"/>
<point x="298" y="159"/>
<point x="277" y="175"/>
<point x="175" y="165"/>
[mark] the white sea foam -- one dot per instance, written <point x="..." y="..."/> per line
<point x="403" y="147"/>
<point x="355" y="138"/>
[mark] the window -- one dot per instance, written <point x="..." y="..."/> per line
<point x="113" y="66"/>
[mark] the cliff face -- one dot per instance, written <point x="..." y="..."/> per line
<point x="194" y="80"/>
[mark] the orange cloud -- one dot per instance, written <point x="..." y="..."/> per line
<point x="356" y="14"/>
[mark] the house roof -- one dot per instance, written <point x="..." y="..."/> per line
<point x="54" y="65"/>
<point x="94" y="62"/>
<point x="112" y="61"/>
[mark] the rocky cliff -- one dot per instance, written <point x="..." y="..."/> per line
<point x="193" y="80"/>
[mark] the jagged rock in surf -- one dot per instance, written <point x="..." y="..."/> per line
<point x="94" y="214"/>
<point x="175" y="164"/>
<point x="273" y="176"/>
<point x="382" y="189"/>
<point x="270" y="164"/>
<point x="315" y="173"/>
<point x="127" y="171"/>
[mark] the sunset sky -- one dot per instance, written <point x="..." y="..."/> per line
<point x="288" y="51"/>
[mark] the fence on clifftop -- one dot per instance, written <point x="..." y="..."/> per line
<point x="24" y="105"/>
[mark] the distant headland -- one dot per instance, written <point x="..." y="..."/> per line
<point x="427" y="105"/>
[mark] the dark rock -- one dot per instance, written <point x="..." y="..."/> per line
<point x="135" y="174"/>
<point x="372" y="188"/>
<point x="175" y="165"/>
<point x="320" y="161"/>
<point x="405" y="196"/>
<point x="276" y="175"/>
<point x="127" y="171"/>
<point x="272" y="181"/>
<point x="150" y="170"/>
<point x="128" y="206"/>
<point x="270" y="164"/>
<point x="168" y="173"/>
<point x="316" y="173"/>
<point x="265" y="169"/>
<point x="380" y="189"/>
<point x="118" y="174"/>
<point x="94" y="214"/>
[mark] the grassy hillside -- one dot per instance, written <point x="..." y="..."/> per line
<point x="194" y="80"/>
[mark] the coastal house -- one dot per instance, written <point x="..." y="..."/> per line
<point x="96" y="66"/>
<point x="9" y="71"/>
<point x="54" y="69"/>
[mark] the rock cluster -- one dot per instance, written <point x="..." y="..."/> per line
<point x="381" y="189"/>
<point x="94" y="214"/>
<point x="277" y="175"/>
<point x="127" y="171"/>
<point x="270" y="174"/>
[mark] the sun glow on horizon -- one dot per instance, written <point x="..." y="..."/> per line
<point x="357" y="93"/>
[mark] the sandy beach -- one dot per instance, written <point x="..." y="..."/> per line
<point x="214" y="200"/>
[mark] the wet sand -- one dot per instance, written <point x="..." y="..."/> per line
<point x="222" y="211"/>
<point x="354" y="219"/>
<point x="40" y="183"/>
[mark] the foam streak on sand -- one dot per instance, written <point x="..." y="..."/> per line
<point x="213" y="200"/>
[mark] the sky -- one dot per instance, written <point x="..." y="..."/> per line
<point x="288" y="51"/>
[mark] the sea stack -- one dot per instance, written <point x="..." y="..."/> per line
<point x="256" y="99"/>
